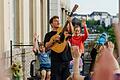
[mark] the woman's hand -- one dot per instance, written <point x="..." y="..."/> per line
<point x="69" y="19"/>
<point x="83" y="22"/>
<point x="76" y="52"/>
<point x="35" y="37"/>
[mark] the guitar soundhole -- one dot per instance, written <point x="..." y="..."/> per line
<point x="58" y="41"/>
<point x="61" y="37"/>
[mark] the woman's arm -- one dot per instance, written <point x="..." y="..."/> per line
<point x="85" y="30"/>
<point x="35" y="43"/>
<point x="76" y="53"/>
<point x="70" y="27"/>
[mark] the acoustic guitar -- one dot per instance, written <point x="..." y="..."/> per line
<point x="60" y="45"/>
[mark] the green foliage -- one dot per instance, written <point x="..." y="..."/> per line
<point x="111" y="35"/>
<point x="91" y="22"/>
<point x="100" y="29"/>
<point x="95" y="27"/>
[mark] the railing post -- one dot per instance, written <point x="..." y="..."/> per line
<point x="11" y="52"/>
<point x="23" y="62"/>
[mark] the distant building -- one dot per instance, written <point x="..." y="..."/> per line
<point x="115" y="19"/>
<point x="80" y="16"/>
<point x="98" y="15"/>
<point x="103" y="17"/>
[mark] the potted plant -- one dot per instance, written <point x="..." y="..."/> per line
<point x="16" y="70"/>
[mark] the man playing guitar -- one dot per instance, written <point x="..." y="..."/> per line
<point x="59" y="68"/>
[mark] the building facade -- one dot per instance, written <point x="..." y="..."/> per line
<point x="21" y="19"/>
<point x="59" y="8"/>
<point x="103" y="17"/>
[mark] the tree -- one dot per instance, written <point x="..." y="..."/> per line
<point x="113" y="39"/>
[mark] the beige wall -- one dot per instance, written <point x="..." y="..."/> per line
<point x="5" y="25"/>
<point x="30" y="16"/>
<point x="32" y="19"/>
<point x="26" y="21"/>
<point x="44" y="18"/>
<point x="65" y="5"/>
<point x="1" y="26"/>
<point x="60" y="8"/>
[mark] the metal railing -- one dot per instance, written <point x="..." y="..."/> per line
<point x="24" y="55"/>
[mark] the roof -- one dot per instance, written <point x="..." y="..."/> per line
<point x="99" y="13"/>
<point x="80" y="14"/>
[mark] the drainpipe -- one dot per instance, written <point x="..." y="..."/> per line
<point x="48" y="14"/>
<point x="119" y="10"/>
<point x="62" y="15"/>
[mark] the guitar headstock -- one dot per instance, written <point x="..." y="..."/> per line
<point x="74" y="9"/>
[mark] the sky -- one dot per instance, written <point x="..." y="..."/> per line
<point x="88" y="6"/>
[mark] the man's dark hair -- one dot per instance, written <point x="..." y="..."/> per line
<point x="51" y="20"/>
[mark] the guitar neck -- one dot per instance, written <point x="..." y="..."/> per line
<point x="66" y="23"/>
<point x="73" y="10"/>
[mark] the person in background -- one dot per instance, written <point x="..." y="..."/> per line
<point x="78" y="38"/>
<point x="44" y="59"/>
<point x="106" y="66"/>
<point x="80" y="65"/>
<point x="101" y="41"/>
<point x="76" y="53"/>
